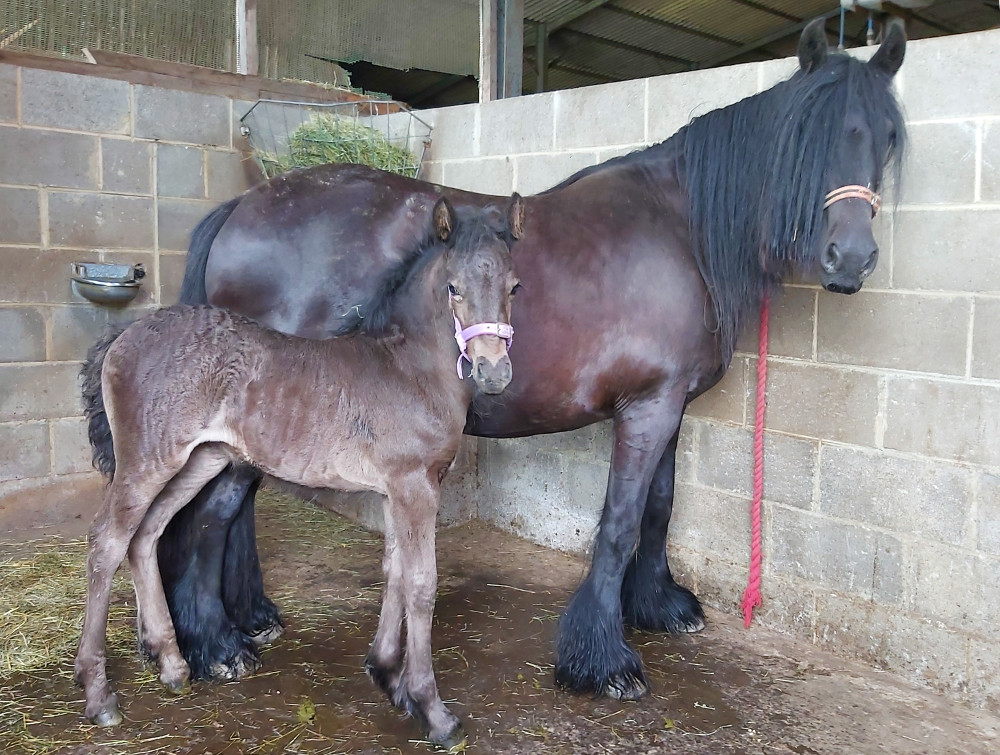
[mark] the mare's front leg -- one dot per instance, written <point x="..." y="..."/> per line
<point x="651" y="599"/>
<point x="412" y="508"/>
<point x="591" y="652"/>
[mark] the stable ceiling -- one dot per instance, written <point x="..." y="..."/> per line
<point x="594" y="42"/>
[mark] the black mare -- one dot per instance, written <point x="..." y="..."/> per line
<point x="640" y="273"/>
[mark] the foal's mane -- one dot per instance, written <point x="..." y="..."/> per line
<point x="473" y="227"/>
<point x="756" y="173"/>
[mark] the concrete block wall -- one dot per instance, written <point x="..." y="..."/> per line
<point x="91" y="169"/>
<point x="882" y="511"/>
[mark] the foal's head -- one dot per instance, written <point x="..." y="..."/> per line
<point x="481" y="283"/>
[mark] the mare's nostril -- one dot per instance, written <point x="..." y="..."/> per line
<point x="830" y="259"/>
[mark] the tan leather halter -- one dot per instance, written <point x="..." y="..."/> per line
<point x="854" y="191"/>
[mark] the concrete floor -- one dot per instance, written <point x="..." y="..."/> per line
<point x="725" y="690"/>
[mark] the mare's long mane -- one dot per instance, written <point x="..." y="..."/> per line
<point x="473" y="228"/>
<point x="756" y="173"/>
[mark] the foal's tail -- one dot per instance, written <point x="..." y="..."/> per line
<point x="98" y="427"/>
<point x="193" y="287"/>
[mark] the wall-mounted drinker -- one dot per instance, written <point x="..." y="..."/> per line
<point x="105" y="283"/>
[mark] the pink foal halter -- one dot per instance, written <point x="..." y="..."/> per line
<point x="462" y="337"/>
<point x="854" y="191"/>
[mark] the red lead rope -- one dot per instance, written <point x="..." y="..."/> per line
<point x="751" y="597"/>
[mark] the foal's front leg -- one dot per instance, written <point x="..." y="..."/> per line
<point x="412" y="509"/>
<point x="384" y="662"/>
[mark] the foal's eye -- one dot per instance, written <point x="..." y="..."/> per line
<point x="452" y="290"/>
<point x="517" y="287"/>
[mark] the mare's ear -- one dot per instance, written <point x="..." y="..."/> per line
<point x="812" y="45"/>
<point x="443" y="219"/>
<point x="889" y="56"/>
<point x="515" y="215"/>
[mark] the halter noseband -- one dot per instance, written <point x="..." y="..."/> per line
<point x="854" y="191"/>
<point x="463" y="336"/>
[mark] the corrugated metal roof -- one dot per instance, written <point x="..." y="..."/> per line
<point x="626" y="39"/>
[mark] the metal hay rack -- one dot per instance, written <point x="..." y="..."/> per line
<point x="379" y="133"/>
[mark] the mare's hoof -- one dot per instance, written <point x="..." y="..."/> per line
<point x="109" y="715"/>
<point x="626" y="688"/>
<point x="453" y="741"/>
<point x="660" y="605"/>
<point x="267" y="635"/>
<point x="239" y="666"/>
<point x="695" y="624"/>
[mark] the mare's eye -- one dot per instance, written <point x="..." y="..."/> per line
<point x="452" y="290"/>
<point x="517" y="287"/>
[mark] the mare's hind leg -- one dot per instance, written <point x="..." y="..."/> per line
<point x="650" y="598"/>
<point x="158" y="629"/>
<point x="125" y="503"/>
<point x="242" y="580"/>
<point x="412" y="507"/>
<point x="384" y="662"/>
<point x="591" y="652"/>
<point x="190" y="554"/>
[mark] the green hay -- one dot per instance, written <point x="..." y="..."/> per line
<point x="328" y="139"/>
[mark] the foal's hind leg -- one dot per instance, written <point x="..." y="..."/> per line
<point x="190" y="554"/>
<point x="591" y="652"/>
<point x="125" y="503"/>
<point x="650" y="598"/>
<point x="158" y="630"/>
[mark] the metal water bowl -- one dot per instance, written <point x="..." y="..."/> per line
<point x="105" y="283"/>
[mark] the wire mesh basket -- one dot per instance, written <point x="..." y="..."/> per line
<point x="379" y="133"/>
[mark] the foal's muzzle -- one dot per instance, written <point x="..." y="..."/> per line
<point x="491" y="377"/>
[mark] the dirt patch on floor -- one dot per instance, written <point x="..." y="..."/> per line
<point x="725" y="690"/>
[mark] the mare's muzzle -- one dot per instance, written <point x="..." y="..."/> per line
<point x="851" y="253"/>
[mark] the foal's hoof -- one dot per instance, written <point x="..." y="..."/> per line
<point x="626" y="688"/>
<point x="267" y="635"/>
<point x="176" y="686"/>
<point x="453" y="740"/>
<point x="109" y="715"/>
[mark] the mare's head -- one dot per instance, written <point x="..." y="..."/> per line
<point x="481" y="283"/>
<point x="854" y="107"/>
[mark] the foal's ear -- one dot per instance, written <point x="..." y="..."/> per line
<point x="889" y="56"/>
<point x="515" y="215"/>
<point x="812" y="45"/>
<point x="443" y="219"/>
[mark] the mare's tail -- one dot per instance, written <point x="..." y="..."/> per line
<point x="98" y="428"/>
<point x="193" y="287"/>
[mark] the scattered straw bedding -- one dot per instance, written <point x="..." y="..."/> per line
<point x="42" y="591"/>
